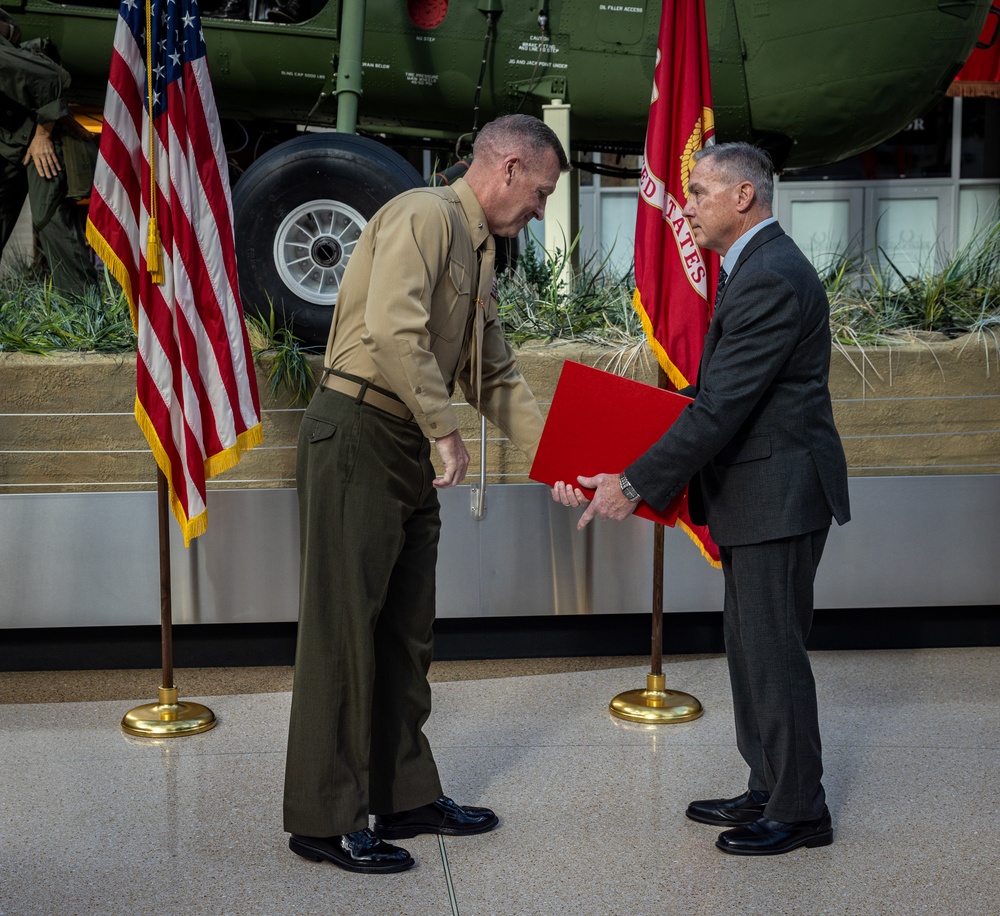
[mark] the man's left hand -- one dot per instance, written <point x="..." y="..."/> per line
<point x="608" y="500"/>
<point x="42" y="152"/>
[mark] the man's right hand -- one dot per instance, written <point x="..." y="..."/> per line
<point x="456" y="460"/>
<point x="608" y="500"/>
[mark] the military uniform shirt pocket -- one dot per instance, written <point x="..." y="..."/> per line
<point x="448" y="311"/>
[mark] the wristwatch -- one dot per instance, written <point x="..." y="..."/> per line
<point x="628" y="490"/>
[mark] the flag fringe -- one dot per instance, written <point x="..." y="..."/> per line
<point x="102" y="247"/>
<point x="190" y="528"/>
<point x="216" y="464"/>
<point x="983" y="89"/>
<point x="223" y="461"/>
<point x="673" y="373"/>
<point x="694" y="537"/>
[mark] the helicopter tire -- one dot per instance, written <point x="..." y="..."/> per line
<point x="297" y="213"/>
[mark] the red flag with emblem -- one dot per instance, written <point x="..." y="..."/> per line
<point x="675" y="280"/>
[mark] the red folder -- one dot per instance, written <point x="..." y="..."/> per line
<point x="599" y="423"/>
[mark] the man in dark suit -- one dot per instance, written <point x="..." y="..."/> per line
<point x="767" y="474"/>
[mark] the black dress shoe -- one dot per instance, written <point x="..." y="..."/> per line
<point x="359" y="851"/>
<point x="729" y="812"/>
<point x="770" y="838"/>
<point x="442" y="816"/>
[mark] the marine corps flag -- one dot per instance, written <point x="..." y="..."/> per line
<point x="161" y="220"/>
<point x="673" y="277"/>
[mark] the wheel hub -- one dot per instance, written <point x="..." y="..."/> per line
<point x="312" y="247"/>
<point x="326" y="252"/>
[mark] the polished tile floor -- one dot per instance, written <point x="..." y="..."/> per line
<point x="95" y="822"/>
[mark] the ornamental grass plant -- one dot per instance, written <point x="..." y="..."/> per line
<point x="36" y="319"/>
<point x="872" y="303"/>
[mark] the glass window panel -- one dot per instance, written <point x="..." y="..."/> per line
<point x="534" y="233"/>
<point x="618" y="231"/>
<point x="980" y="138"/>
<point x="615" y="163"/>
<point x="907" y="233"/>
<point x="821" y="229"/>
<point x="977" y="208"/>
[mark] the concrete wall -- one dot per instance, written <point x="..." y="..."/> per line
<point x="67" y="422"/>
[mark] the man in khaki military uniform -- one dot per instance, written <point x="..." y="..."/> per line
<point x="415" y="316"/>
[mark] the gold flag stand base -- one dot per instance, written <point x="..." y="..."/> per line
<point x="168" y="718"/>
<point x="655" y="705"/>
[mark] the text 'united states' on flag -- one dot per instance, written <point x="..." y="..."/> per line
<point x="161" y="220"/>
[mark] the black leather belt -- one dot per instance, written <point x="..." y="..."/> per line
<point x="364" y="393"/>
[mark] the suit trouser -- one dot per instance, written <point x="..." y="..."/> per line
<point x="766" y="619"/>
<point x="369" y="523"/>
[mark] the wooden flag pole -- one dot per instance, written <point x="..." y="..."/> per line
<point x="656" y="705"/>
<point x="168" y="718"/>
<point x="656" y="653"/>
<point x="166" y="607"/>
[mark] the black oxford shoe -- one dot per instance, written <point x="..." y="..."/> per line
<point x="360" y="851"/>
<point x="765" y="837"/>
<point x="442" y="816"/>
<point x="729" y="812"/>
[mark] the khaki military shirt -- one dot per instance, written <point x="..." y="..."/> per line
<point x="405" y="311"/>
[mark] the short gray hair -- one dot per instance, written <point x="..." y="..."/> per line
<point x="743" y="162"/>
<point x="518" y="130"/>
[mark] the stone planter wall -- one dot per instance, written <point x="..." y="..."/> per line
<point x="66" y="422"/>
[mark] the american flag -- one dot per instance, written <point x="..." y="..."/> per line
<point x="173" y="252"/>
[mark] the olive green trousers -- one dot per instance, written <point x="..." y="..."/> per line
<point x="370" y="524"/>
<point x="55" y="219"/>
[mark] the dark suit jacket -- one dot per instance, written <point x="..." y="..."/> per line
<point x="758" y="444"/>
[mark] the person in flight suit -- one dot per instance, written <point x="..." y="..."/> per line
<point x="34" y="119"/>
<point x="415" y="316"/>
